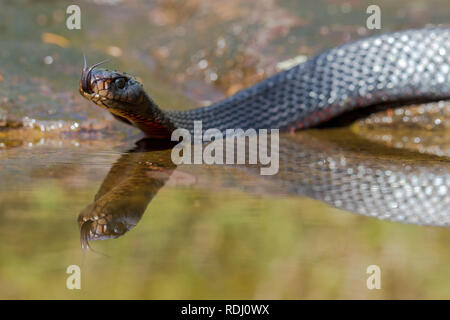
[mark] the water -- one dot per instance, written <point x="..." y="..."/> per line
<point x="208" y="231"/>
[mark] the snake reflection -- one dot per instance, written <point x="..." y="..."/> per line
<point x="364" y="178"/>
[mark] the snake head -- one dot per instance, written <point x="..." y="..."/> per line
<point x="123" y="96"/>
<point x="110" y="89"/>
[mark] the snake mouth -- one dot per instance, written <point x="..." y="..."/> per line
<point x="86" y="75"/>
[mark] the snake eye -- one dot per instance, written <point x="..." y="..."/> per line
<point x="120" y="83"/>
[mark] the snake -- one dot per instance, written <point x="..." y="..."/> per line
<point x="391" y="68"/>
<point x="396" y="67"/>
<point x="311" y="164"/>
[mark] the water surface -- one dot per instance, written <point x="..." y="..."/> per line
<point x="208" y="232"/>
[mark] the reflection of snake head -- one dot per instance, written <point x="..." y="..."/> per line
<point x="126" y="191"/>
<point x="96" y="223"/>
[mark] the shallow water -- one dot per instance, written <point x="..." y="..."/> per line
<point x="209" y="231"/>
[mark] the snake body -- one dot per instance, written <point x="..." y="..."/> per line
<point x="390" y="68"/>
<point x="394" y="67"/>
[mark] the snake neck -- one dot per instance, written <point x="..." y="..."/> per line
<point x="149" y="118"/>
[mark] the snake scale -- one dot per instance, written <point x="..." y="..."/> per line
<point x="400" y="66"/>
<point x="404" y="66"/>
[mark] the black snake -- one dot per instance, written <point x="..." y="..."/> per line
<point x="397" y="67"/>
<point x="401" y="66"/>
